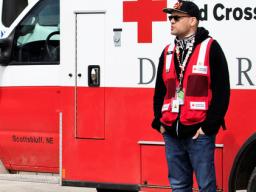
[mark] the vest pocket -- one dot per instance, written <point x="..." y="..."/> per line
<point x="197" y="86"/>
<point x="167" y="116"/>
<point x="194" y="110"/>
<point x="170" y="88"/>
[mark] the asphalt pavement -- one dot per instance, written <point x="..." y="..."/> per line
<point x="23" y="186"/>
<point x="36" y="183"/>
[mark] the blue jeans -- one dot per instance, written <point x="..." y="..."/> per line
<point x="187" y="155"/>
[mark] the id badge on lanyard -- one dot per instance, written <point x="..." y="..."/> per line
<point x="175" y="106"/>
<point x="178" y="101"/>
<point x="180" y="97"/>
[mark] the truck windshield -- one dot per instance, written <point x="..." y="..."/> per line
<point x="37" y="36"/>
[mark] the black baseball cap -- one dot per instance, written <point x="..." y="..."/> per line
<point x="187" y="7"/>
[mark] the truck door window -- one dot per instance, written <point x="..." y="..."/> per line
<point x="36" y="39"/>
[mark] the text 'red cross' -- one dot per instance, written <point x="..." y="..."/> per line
<point x="144" y="12"/>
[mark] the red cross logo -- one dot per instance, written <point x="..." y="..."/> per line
<point x="144" y="12"/>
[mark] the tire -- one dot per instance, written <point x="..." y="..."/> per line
<point x="252" y="182"/>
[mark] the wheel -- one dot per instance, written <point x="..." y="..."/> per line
<point x="252" y="182"/>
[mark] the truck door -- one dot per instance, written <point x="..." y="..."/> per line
<point x="30" y="91"/>
<point x="89" y="85"/>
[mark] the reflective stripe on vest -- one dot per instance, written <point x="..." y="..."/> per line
<point x="202" y="53"/>
<point x="169" y="56"/>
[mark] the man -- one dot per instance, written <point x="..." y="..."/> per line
<point x="191" y="99"/>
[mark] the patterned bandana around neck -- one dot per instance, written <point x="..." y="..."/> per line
<point x="184" y="44"/>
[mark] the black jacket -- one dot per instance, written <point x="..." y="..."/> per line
<point x="220" y="92"/>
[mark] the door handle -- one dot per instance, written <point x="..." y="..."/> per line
<point x="93" y="75"/>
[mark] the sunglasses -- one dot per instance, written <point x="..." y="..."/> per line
<point x="176" y="17"/>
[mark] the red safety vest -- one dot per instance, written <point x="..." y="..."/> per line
<point x="196" y="86"/>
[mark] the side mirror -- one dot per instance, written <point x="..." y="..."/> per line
<point x="28" y="27"/>
<point x="5" y="51"/>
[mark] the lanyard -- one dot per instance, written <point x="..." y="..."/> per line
<point x="182" y="65"/>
